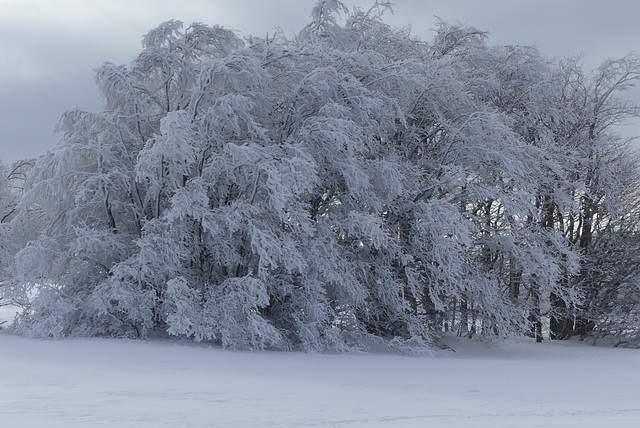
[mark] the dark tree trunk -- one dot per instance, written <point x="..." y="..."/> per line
<point x="560" y="323"/>
<point x="535" y="316"/>
<point x="463" y="329"/>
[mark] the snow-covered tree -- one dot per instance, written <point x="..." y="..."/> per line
<point x="12" y="233"/>
<point x="605" y="177"/>
<point x="7" y="208"/>
<point x="348" y="186"/>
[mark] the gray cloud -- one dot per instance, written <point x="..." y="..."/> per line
<point x="50" y="48"/>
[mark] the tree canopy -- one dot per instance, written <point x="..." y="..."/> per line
<point x="349" y="186"/>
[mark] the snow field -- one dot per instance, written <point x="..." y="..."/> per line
<point x="108" y="383"/>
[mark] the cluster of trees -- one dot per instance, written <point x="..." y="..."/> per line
<point x="349" y="185"/>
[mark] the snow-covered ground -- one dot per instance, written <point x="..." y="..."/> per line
<point x="123" y="383"/>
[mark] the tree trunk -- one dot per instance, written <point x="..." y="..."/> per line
<point x="463" y="329"/>
<point x="535" y="316"/>
<point x="560" y="323"/>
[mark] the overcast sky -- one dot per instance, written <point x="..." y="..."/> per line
<point x="49" y="48"/>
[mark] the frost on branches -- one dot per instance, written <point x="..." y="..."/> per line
<point x="347" y="187"/>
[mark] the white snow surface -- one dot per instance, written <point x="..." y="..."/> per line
<point x="155" y="383"/>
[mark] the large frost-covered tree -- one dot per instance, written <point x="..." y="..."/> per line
<point x="350" y="185"/>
